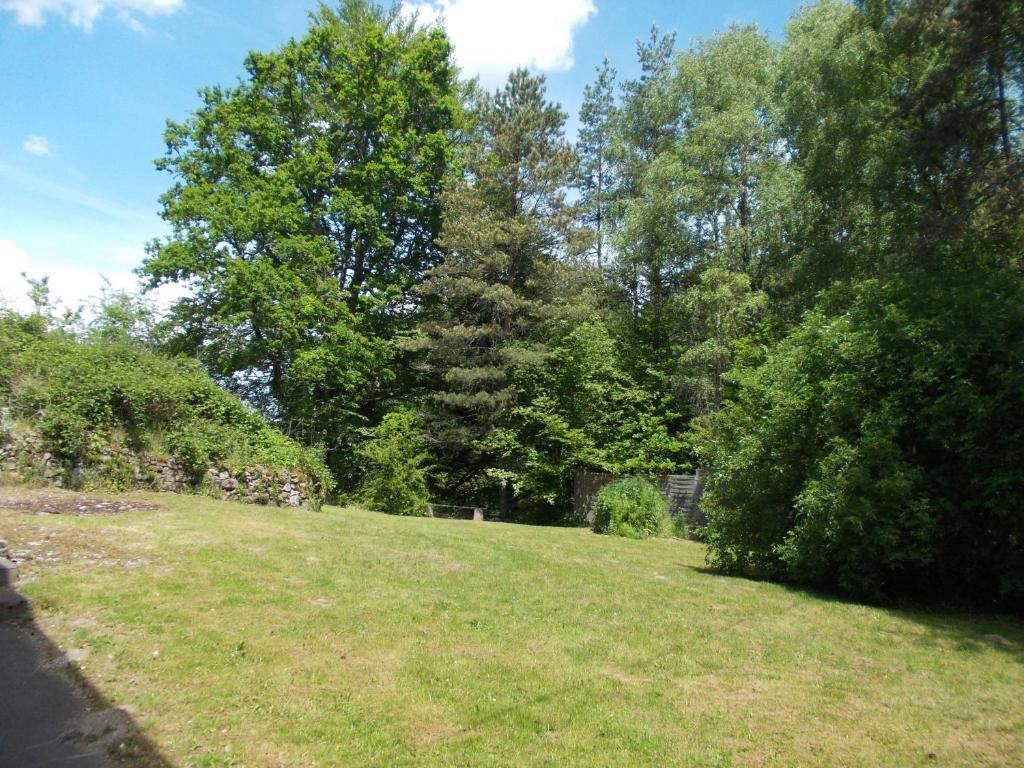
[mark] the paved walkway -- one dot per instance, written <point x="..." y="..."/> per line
<point x="38" y="705"/>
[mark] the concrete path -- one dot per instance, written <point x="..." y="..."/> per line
<point x="38" y="705"/>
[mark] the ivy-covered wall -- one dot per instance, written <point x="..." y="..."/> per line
<point x="25" y="458"/>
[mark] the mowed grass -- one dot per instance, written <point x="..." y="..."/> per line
<point x="344" y="637"/>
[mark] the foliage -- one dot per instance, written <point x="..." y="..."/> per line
<point x="696" y="161"/>
<point x="873" y="451"/>
<point x="396" y="475"/>
<point x="594" y="147"/>
<point x="82" y="395"/>
<point x="196" y="445"/>
<point x="121" y="316"/>
<point x="305" y="205"/>
<point x="506" y="229"/>
<point x="577" y="409"/>
<point x="870" y="449"/>
<point x="719" y="310"/>
<point x="631" y="507"/>
<point x="65" y="430"/>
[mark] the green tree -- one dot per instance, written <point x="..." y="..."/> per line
<point x="718" y="311"/>
<point x="729" y="150"/>
<point x="644" y="225"/>
<point x="875" y="451"/>
<point x="698" y="162"/>
<point x="597" y="116"/>
<point x="871" y="449"/>
<point x="304" y="207"/>
<point x="506" y="230"/>
<point x="49" y="312"/>
<point x="578" y="409"/>
<point x="396" y="476"/>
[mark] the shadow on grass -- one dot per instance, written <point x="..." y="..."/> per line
<point x="970" y="631"/>
<point x="50" y="714"/>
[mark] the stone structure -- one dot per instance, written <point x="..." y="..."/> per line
<point x="11" y="603"/>
<point x="25" y="458"/>
<point x="258" y="484"/>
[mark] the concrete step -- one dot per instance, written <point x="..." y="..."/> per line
<point x="8" y="574"/>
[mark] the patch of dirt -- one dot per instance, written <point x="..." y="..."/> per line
<point x="34" y="544"/>
<point x="430" y="733"/>
<point x="624" y="678"/>
<point x="65" y="503"/>
<point x="31" y="547"/>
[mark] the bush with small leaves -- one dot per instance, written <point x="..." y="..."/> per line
<point x="631" y="507"/>
<point x="396" y="477"/>
<point x="64" y="431"/>
<point x="85" y="397"/>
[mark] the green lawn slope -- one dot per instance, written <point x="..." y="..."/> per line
<point x="246" y="636"/>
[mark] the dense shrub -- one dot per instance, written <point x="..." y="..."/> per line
<point x="64" y="431"/>
<point x="631" y="507"/>
<point x="396" y="475"/>
<point x="83" y="395"/>
<point x="877" y="452"/>
<point x="577" y="408"/>
<point x="197" y="444"/>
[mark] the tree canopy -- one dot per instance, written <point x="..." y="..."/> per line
<point x="304" y="208"/>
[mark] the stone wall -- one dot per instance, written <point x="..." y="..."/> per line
<point x="25" y="458"/>
<point x="258" y="484"/>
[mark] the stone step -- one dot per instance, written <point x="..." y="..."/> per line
<point x="8" y="574"/>
<point x="12" y="604"/>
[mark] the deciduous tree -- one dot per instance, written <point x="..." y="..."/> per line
<point x="304" y="207"/>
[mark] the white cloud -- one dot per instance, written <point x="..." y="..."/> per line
<point x="493" y="37"/>
<point x="37" y="145"/>
<point x="131" y="22"/>
<point x="74" y="285"/>
<point x="83" y="13"/>
<point x="13" y="261"/>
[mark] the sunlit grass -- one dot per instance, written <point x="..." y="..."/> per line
<point x="258" y="637"/>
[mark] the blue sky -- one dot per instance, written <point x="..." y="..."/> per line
<point x="87" y="86"/>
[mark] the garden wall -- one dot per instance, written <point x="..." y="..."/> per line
<point x="25" y="458"/>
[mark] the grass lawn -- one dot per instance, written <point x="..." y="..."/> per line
<point x="293" y="638"/>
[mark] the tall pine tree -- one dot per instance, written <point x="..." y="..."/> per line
<point x="597" y="116"/>
<point x="506" y="228"/>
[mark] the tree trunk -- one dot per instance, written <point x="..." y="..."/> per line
<point x="1004" y="120"/>
<point x="503" y="503"/>
<point x="600" y="196"/>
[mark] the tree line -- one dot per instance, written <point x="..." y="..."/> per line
<point x="794" y="263"/>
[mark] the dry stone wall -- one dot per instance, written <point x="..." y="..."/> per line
<point x="25" y="458"/>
